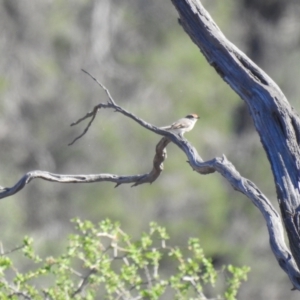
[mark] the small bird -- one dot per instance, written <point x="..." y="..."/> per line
<point x="183" y="125"/>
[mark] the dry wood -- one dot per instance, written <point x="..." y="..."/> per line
<point x="276" y="122"/>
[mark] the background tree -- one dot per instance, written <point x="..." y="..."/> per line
<point x="45" y="45"/>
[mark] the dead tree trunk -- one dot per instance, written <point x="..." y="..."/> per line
<point x="276" y="122"/>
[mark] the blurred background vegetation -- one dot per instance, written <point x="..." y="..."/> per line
<point x="138" y="50"/>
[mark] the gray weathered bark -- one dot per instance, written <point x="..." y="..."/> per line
<point x="276" y="122"/>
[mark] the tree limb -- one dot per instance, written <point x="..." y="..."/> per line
<point x="275" y="120"/>
<point x="221" y="165"/>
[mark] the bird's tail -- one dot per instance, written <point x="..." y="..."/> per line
<point x="165" y="128"/>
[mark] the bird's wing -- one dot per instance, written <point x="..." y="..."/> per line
<point x="176" y="125"/>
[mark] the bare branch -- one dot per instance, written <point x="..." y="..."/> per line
<point x="91" y="114"/>
<point x="112" y="104"/>
<point x="118" y="179"/>
<point x="276" y="122"/>
<point x="160" y="156"/>
<point x="111" y="100"/>
<point x="221" y="165"/>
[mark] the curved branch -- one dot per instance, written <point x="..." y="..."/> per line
<point x="276" y="122"/>
<point x="274" y="119"/>
<point x="160" y="156"/>
<point x="221" y="165"/>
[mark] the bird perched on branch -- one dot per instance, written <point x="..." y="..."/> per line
<point x="183" y="125"/>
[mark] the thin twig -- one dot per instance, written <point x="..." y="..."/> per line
<point x="94" y="112"/>
<point x="12" y="250"/>
<point x="88" y="115"/>
<point x="102" y="85"/>
<point x="84" y="282"/>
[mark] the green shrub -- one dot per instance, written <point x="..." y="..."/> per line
<point x="103" y="262"/>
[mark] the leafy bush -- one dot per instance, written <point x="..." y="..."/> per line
<point x="103" y="262"/>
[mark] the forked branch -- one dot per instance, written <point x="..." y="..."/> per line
<point x="275" y="120"/>
<point x="221" y="165"/>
